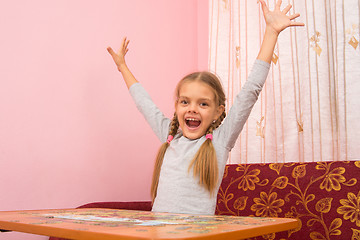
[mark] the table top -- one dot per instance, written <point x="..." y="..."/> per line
<point x="111" y="224"/>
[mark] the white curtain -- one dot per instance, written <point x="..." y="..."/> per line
<point x="309" y="109"/>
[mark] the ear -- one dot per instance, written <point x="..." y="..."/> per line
<point x="220" y="109"/>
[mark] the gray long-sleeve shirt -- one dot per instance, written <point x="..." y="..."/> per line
<point x="178" y="190"/>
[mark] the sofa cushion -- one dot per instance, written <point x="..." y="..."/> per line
<point x="323" y="196"/>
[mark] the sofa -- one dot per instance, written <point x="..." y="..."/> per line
<point x="323" y="196"/>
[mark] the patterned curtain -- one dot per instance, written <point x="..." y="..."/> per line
<point x="309" y="109"/>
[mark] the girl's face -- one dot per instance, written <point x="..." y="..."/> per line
<point x="196" y="108"/>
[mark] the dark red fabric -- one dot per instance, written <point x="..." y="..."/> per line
<point x="141" y="206"/>
<point x="324" y="196"/>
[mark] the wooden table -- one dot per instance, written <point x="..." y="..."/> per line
<point x="110" y="224"/>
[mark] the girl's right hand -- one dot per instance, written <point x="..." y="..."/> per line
<point x="119" y="58"/>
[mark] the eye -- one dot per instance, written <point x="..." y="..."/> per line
<point x="204" y="104"/>
<point x="184" y="102"/>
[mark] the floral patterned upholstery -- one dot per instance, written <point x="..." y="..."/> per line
<point x="323" y="196"/>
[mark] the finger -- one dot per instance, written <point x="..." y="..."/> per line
<point x="127" y="43"/>
<point x="111" y="51"/>
<point x="124" y="40"/>
<point x="287" y="9"/>
<point x="296" y="24"/>
<point x="264" y="7"/>
<point x="278" y="4"/>
<point x="292" y="17"/>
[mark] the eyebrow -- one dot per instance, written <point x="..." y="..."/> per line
<point x="201" y="99"/>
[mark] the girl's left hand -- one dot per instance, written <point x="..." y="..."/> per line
<point x="277" y="20"/>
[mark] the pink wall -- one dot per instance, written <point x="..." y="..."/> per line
<point x="69" y="132"/>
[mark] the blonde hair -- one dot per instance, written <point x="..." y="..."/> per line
<point x="204" y="163"/>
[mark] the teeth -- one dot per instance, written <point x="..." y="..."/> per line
<point x="192" y="119"/>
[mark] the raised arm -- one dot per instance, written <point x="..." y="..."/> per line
<point x="119" y="59"/>
<point x="276" y="21"/>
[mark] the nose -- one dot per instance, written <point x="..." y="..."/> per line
<point x="192" y="108"/>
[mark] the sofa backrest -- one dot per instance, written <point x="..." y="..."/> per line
<point x="323" y="196"/>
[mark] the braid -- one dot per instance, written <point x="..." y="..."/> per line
<point x="174" y="126"/>
<point x="211" y="128"/>
<point x="218" y="122"/>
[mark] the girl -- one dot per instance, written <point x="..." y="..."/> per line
<point x="191" y="161"/>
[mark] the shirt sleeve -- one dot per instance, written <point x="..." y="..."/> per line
<point x="238" y="114"/>
<point x="152" y="114"/>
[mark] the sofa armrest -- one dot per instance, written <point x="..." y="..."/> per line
<point x="141" y="205"/>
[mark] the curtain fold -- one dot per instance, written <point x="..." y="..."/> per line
<point x="309" y="107"/>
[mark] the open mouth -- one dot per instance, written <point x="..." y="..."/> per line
<point x="192" y="122"/>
